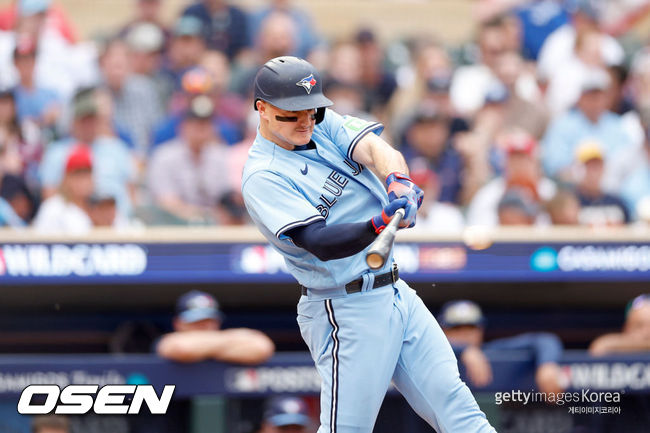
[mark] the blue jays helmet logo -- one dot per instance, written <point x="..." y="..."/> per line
<point x="307" y="83"/>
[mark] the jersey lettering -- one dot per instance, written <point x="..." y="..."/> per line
<point x="334" y="184"/>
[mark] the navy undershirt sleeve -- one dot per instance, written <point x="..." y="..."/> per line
<point x="334" y="241"/>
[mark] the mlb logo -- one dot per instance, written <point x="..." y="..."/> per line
<point x="307" y="83"/>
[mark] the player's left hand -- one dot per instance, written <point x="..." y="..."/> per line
<point x="400" y="185"/>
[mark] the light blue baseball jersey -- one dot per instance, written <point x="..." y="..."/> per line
<point x="284" y="189"/>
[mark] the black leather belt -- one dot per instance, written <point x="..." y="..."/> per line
<point x="355" y="286"/>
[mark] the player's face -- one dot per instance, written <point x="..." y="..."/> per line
<point x="287" y="128"/>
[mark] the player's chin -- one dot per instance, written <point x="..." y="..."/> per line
<point x="302" y="137"/>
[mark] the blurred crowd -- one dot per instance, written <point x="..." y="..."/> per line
<point x="541" y="119"/>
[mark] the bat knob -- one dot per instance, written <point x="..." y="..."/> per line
<point x="375" y="260"/>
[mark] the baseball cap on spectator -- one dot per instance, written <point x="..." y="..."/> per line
<point x="461" y="313"/>
<point x="439" y="83"/>
<point x="428" y="112"/>
<point x="518" y="198"/>
<point x="519" y="142"/>
<point x="589" y="8"/>
<point x="12" y="186"/>
<point x="28" y="8"/>
<point x="638" y="302"/>
<point x="365" y="36"/>
<point x="25" y="46"/>
<point x="588" y="150"/>
<point x="145" y="38"/>
<point x="287" y="410"/>
<point x="196" y="305"/>
<point x="201" y="108"/>
<point x="196" y="81"/>
<point x="6" y="92"/>
<point x="497" y="93"/>
<point x="85" y="103"/>
<point x="595" y="80"/>
<point x="79" y="158"/>
<point x="188" y="25"/>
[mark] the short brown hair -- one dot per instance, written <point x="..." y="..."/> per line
<point x="50" y="421"/>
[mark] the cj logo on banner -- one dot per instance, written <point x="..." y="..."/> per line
<point x="81" y="399"/>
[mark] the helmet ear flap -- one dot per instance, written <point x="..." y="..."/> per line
<point x="320" y="114"/>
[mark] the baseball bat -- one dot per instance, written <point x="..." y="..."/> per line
<point x="380" y="248"/>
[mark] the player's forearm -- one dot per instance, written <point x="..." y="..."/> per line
<point x="329" y="242"/>
<point x="376" y="154"/>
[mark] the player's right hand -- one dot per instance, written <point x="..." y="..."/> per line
<point x="379" y="222"/>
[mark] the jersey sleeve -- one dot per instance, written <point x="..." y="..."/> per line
<point x="276" y="204"/>
<point x="346" y="131"/>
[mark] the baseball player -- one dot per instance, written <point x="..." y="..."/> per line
<point x="312" y="185"/>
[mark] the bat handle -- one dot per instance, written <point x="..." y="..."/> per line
<point x="380" y="248"/>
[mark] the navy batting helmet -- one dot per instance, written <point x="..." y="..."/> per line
<point x="291" y="84"/>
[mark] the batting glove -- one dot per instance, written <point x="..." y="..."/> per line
<point x="401" y="186"/>
<point x="379" y="222"/>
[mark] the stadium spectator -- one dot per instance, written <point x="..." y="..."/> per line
<point x="136" y="104"/>
<point x="521" y="113"/>
<point x="50" y="424"/>
<point x="15" y="193"/>
<point x="39" y="105"/>
<point x="590" y="120"/>
<point x="431" y="62"/>
<point x="277" y="37"/>
<point x="636" y="186"/>
<point x="227" y="103"/>
<point x="55" y="17"/>
<point x="114" y="167"/>
<point x="598" y="208"/>
<point x="378" y="83"/>
<point x="16" y="206"/>
<point x="199" y="82"/>
<point x="225" y="27"/>
<point x="521" y="170"/>
<point x="635" y="336"/>
<point x="146" y="44"/>
<point x="286" y="414"/>
<point x="471" y="83"/>
<point x="464" y="325"/>
<point x="67" y="211"/>
<point x="186" y="47"/>
<point x="564" y="208"/>
<point x="198" y="335"/>
<point x="12" y="145"/>
<point x="434" y="216"/>
<point x="61" y="65"/>
<point x="305" y="37"/>
<point x="537" y="19"/>
<point x="559" y="47"/>
<point x="146" y="12"/>
<point x="517" y="208"/>
<point x="428" y="137"/>
<point x="564" y="86"/>
<point x="188" y="175"/>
